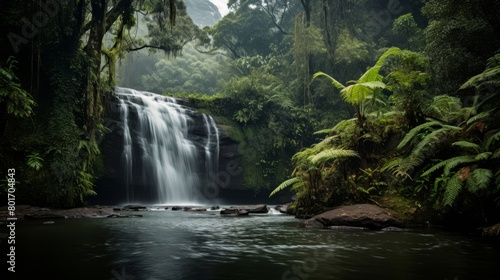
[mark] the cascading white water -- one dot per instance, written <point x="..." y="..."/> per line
<point x="157" y="148"/>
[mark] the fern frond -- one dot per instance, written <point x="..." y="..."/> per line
<point x="335" y="83"/>
<point x="285" y="184"/>
<point x="434" y="168"/>
<point x="482" y="178"/>
<point x="491" y="139"/>
<point x="467" y="145"/>
<point x="333" y="153"/>
<point x="324" y="131"/>
<point x="453" y="188"/>
<point x="483" y="156"/>
<point x="413" y="132"/>
<point x="391" y="165"/>
<point x="457" y="161"/>
<point x="479" y="117"/>
<point x="496" y="154"/>
<point x="342" y="125"/>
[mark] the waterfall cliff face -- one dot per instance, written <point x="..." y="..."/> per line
<point x="166" y="150"/>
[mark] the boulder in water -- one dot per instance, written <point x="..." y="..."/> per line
<point x="358" y="215"/>
<point x="234" y="212"/>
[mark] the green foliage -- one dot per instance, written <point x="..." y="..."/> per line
<point x="407" y="33"/>
<point x="16" y="100"/>
<point x="35" y="161"/>
<point x="460" y="38"/>
<point x="286" y="184"/>
<point x="332" y="154"/>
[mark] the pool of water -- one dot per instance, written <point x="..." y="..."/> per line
<point x="203" y="245"/>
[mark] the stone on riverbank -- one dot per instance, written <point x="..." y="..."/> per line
<point x="358" y="215"/>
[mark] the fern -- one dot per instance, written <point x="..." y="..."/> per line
<point x="480" y="116"/>
<point x="333" y="153"/>
<point x="491" y="139"/>
<point x="457" y="161"/>
<point x="35" y="161"/>
<point x="453" y="188"/>
<point x="285" y="184"/>
<point x="391" y="165"/>
<point x="335" y="83"/>
<point x="435" y="167"/>
<point x="413" y="132"/>
<point x="467" y="145"/>
<point x="483" y="156"/>
<point x="482" y="178"/>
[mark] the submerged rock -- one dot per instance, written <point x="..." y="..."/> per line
<point x="358" y="215"/>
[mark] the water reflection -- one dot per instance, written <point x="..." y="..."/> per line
<point x="186" y="245"/>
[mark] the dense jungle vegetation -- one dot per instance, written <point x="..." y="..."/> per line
<point x="388" y="102"/>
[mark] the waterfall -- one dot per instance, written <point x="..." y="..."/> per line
<point x="165" y="158"/>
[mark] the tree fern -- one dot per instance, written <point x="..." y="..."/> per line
<point x="285" y="184"/>
<point x="453" y="188"/>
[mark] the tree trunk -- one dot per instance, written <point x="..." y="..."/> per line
<point x="93" y="106"/>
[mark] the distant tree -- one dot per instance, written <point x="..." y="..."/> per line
<point x="461" y="36"/>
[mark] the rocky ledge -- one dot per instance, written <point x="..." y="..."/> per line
<point x="366" y="216"/>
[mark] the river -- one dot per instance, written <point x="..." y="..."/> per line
<point x="203" y="245"/>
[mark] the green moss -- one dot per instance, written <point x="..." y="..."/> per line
<point x="400" y="207"/>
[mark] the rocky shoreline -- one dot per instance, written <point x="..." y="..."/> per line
<point x="358" y="216"/>
<point x="27" y="212"/>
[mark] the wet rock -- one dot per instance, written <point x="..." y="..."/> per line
<point x="134" y="208"/>
<point x="124" y="216"/>
<point x="194" y="209"/>
<point x="282" y="208"/>
<point x="234" y="212"/>
<point x="358" y="215"/>
<point x="255" y="209"/>
<point x="346" y="228"/>
<point x="176" y="208"/>
<point x="215" y="207"/>
<point x="42" y="215"/>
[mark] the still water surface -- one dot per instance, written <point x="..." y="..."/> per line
<point x="191" y="245"/>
